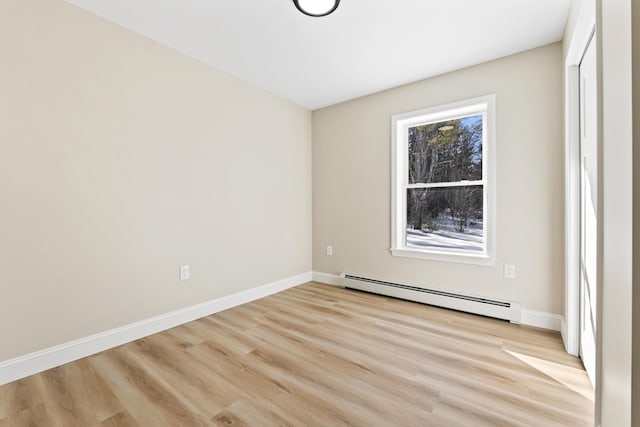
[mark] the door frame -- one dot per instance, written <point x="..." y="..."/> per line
<point x="584" y="31"/>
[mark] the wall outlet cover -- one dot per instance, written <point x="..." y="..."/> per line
<point x="509" y="271"/>
<point x="184" y="272"/>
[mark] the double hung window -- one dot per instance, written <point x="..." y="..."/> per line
<point x="443" y="191"/>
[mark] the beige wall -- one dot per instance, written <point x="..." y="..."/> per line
<point x="351" y="181"/>
<point x="613" y="395"/>
<point x="121" y="160"/>
<point x="636" y="213"/>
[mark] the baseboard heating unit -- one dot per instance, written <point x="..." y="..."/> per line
<point x="486" y="307"/>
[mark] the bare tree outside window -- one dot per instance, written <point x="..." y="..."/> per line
<point x="445" y="198"/>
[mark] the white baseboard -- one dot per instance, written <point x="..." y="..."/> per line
<point x="527" y="317"/>
<point x="327" y="279"/>
<point x="541" y="319"/>
<point x="33" y="363"/>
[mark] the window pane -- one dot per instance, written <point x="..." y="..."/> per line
<point x="445" y="218"/>
<point x="446" y="151"/>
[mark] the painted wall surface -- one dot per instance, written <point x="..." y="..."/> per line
<point x="635" y="43"/>
<point x="352" y="182"/>
<point x="613" y="394"/>
<point x="122" y="160"/>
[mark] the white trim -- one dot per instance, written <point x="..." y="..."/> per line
<point x="459" y="257"/>
<point x="445" y="184"/>
<point x="327" y="279"/>
<point x="541" y="319"/>
<point x="484" y="105"/>
<point x="585" y="26"/>
<point x="33" y="363"/>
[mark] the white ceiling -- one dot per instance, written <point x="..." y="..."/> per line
<point x="364" y="47"/>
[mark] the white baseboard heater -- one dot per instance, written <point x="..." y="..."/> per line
<point x="486" y="307"/>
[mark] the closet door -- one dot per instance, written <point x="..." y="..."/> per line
<point x="588" y="208"/>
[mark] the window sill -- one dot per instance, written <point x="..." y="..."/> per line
<point x="445" y="256"/>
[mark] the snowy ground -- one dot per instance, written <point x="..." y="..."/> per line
<point x="447" y="237"/>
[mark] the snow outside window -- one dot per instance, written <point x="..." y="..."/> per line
<point x="443" y="174"/>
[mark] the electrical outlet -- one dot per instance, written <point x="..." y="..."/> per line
<point x="184" y="272"/>
<point x="509" y="271"/>
<point x="329" y="250"/>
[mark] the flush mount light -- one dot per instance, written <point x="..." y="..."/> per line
<point x="316" y="8"/>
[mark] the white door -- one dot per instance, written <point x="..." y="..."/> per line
<point x="588" y="208"/>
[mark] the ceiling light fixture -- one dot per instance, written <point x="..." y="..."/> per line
<point x="316" y="8"/>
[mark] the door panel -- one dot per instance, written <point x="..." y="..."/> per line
<point x="588" y="208"/>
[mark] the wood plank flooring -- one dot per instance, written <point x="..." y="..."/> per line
<point x="317" y="355"/>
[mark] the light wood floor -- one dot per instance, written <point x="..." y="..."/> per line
<point x="317" y="355"/>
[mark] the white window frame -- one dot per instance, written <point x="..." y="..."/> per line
<point x="400" y="124"/>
